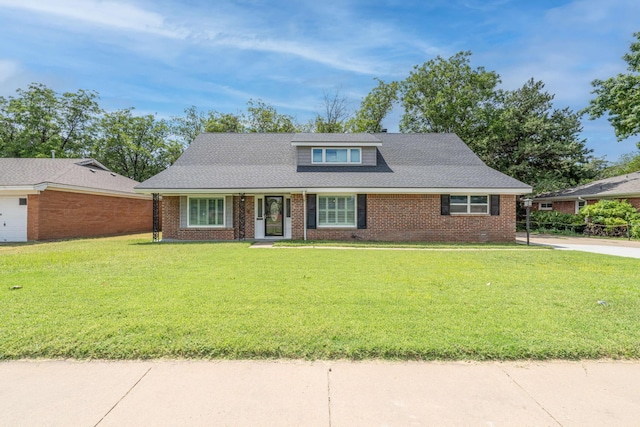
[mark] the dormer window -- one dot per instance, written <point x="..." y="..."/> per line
<point x="336" y="155"/>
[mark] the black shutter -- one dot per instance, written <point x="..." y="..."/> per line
<point x="311" y="211"/>
<point x="362" y="211"/>
<point x="495" y="204"/>
<point x="444" y="204"/>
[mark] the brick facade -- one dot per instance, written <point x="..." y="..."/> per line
<point x="59" y="214"/>
<point x="416" y="217"/>
<point x="390" y="217"/>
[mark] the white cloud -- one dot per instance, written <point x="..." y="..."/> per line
<point x="8" y="69"/>
<point x="104" y="13"/>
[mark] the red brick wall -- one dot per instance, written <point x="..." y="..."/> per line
<point x="59" y="214"/>
<point x="416" y="217"/>
<point x="171" y="224"/>
<point x="635" y="202"/>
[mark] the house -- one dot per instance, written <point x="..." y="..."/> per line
<point x="43" y="199"/>
<point x="384" y="186"/>
<point x="570" y="200"/>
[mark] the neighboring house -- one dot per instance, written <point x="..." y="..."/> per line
<point x="43" y="199"/>
<point x="570" y="200"/>
<point x="394" y="187"/>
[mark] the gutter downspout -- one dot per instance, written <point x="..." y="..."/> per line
<point x="304" y="213"/>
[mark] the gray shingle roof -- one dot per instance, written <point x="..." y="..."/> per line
<point x="253" y="161"/>
<point x="622" y="185"/>
<point x="75" y="173"/>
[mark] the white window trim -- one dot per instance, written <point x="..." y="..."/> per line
<point x="468" y="212"/>
<point x="578" y="207"/>
<point x="549" y="208"/>
<point x="324" y="156"/>
<point x="224" y="212"/>
<point x="355" y="211"/>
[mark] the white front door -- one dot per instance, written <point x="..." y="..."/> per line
<point x="13" y="219"/>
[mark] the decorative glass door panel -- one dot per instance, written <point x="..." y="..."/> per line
<point x="273" y="216"/>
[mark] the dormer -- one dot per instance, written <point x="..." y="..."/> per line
<point x="336" y="149"/>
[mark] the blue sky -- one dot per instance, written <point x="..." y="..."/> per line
<point x="162" y="56"/>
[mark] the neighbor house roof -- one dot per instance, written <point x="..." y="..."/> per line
<point x="88" y="175"/>
<point x="414" y="162"/>
<point x="627" y="185"/>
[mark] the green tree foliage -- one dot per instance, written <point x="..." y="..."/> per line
<point x="264" y="118"/>
<point x="224" y="122"/>
<point x="531" y="141"/>
<point x="374" y="108"/>
<point x="38" y="121"/>
<point x="447" y="95"/>
<point x="619" y="96"/>
<point x="185" y="129"/>
<point x="628" y="163"/>
<point x="134" y="146"/>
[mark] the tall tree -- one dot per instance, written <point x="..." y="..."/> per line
<point x="536" y="143"/>
<point x="262" y="117"/>
<point x="185" y="129"/>
<point x="134" y="146"/>
<point x="375" y="107"/>
<point x="627" y="163"/>
<point x="224" y="122"/>
<point x="39" y="121"/>
<point x="335" y="114"/>
<point x="619" y="96"/>
<point x="448" y="95"/>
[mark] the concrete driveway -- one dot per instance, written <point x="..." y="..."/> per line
<point x="616" y="247"/>
<point x="332" y="394"/>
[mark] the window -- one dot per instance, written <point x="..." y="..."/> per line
<point x="469" y="204"/>
<point x="22" y="201"/>
<point x="580" y="204"/>
<point x="545" y="206"/>
<point x="206" y="212"/>
<point x="337" y="211"/>
<point x="336" y="155"/>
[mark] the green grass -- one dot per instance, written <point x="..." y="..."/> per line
<point x="124" y="298"/>
<point x="411" y="245"/>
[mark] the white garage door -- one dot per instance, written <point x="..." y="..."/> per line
<point x="13" y="219"/>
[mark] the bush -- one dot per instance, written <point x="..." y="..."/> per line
<point x="612" y="218"/>
<point x="551" y="221"/>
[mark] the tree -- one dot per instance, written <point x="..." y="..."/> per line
<point x="335" y="114"/>
<point x="224" y="122"/>
<point x="186" y="129"/>
<point x="619" y="96"/>
<point x="263" y="118"/>
<point x="39" y="121"/>
<point x="136" y="147"/>
<point x="627" y="163"/>
<point x="447" y="95"/>
<point x="531" y="141"/>
<point x="375" y="107"/>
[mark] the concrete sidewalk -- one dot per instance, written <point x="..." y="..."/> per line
<point x="616" y="247"/>
<point x="338" y="393"/>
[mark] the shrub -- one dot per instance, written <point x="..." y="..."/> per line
<point x="552" y="221"/>
<point x="612" y="217"/>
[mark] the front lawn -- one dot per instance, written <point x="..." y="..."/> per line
<point x="124" y="298"/>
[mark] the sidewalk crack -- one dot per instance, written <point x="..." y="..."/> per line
<point x="531" y="396"/>
<point x="122" y="398"/>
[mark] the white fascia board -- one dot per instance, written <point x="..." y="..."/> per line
<point x="346" y="190"/>
<point x="88" y="190"/>
<point x="10" y="190"/>
<point x="319" y="144"/>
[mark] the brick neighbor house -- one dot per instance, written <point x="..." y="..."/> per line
<point x="393" y="187"/>
<point x="42" y="199"/>
<point x="570" y="200"/>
